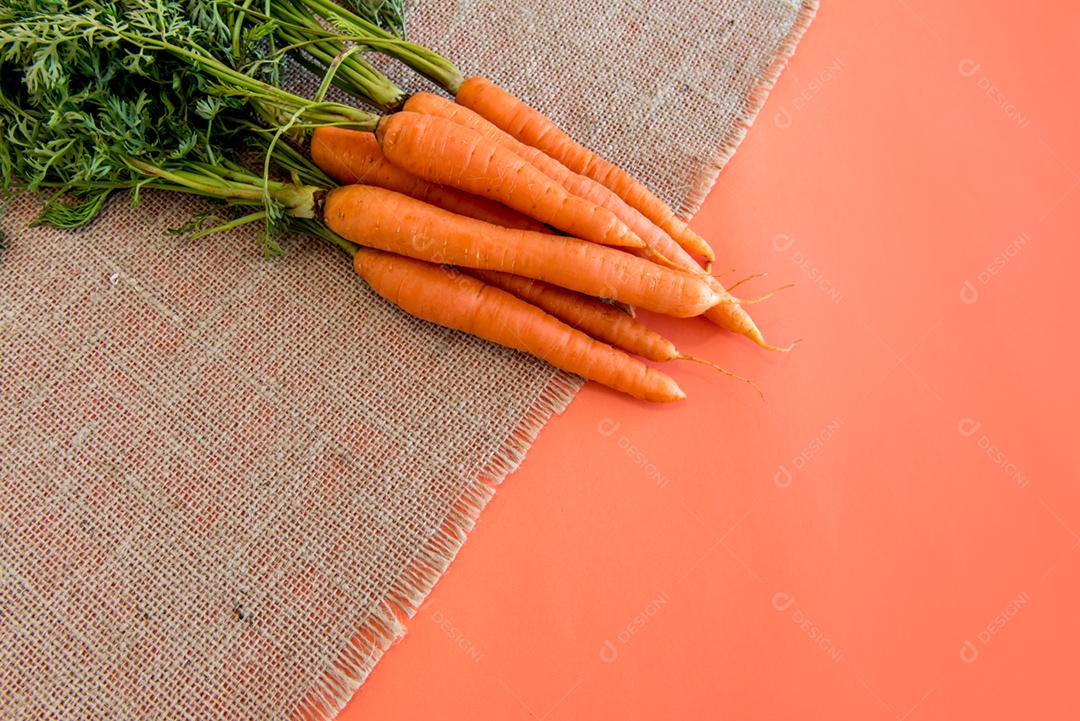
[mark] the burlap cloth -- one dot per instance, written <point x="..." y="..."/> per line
<point x="224" y="481"/>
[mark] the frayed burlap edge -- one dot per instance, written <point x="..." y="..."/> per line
<point x="754" y="102"/>
<point x="385" y="625"/>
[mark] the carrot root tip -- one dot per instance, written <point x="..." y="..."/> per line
<point x="760" y="298"/>
<point x="780" y="349"/>
<point x="747" y="279"/>
<point x="725" y="371"/>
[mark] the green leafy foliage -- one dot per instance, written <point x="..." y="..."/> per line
<point x="99" y="96"/>
<point x="387" y="14"/>
<point x="77" y="101"/>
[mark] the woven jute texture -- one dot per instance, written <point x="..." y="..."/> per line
<point x="226" y="481"/>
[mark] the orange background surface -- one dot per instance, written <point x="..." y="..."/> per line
<point x="893" y="534"/>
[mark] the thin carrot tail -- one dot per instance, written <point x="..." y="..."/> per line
<point x="735" y="318"/>
<point x="747" y="279"/>
<point x="725" y="371"/>
<point x="755" y="335"/>
<point x="760" y="298"/>
<point x="782" y="349"/>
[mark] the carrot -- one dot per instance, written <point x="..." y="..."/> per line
<point x="579" y="185"/>
<point x="597" y="319"/>
<point x="326" y="141"/>
<point x="457" y="301"/>
<point x="446" y="153"/>
<point x="532" y="128"/>
<point x="386" y="220"/>
<point x="353" y="156"/>
<point x="728" y="314"/>
<point x="587" y="314"/>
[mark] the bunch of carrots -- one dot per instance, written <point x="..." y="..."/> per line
<point x="476" y="213"/>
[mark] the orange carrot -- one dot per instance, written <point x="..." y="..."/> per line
<point x="532" y="128"/>
<point x="579" y="185"/>
<point x="594" y="317"/>
<point x="727" y="314"/>
<point x="353" y="156"/>
<point x="446" y="153"/>
<point x="389" y="221"/>
<point x="597" y="319"/>
<point x="457" y="301"/>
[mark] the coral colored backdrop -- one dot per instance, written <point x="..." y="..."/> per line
<point x="895" y="533"/>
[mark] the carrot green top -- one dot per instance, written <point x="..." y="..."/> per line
<point x="104" y="95"/>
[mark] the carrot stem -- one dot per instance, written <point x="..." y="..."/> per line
<point x="424" y="61"/>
